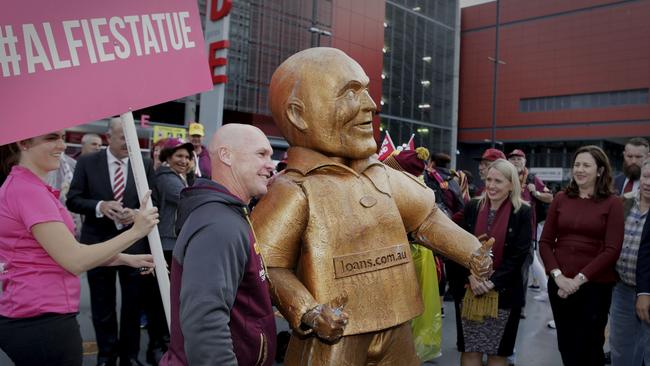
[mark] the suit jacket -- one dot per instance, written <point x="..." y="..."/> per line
<point x="91" y="183"/>
<point x="508" y="278"/>
<point x="619" y="180"/>
<point x="643" y="260"/>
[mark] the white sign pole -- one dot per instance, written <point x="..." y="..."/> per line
<point x="142" y="185"/>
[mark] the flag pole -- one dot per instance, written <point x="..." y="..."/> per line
<point x="142" y="185"/>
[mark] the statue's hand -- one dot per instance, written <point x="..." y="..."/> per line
<point x="480" y="264"/>
<point x="328" y="321"/>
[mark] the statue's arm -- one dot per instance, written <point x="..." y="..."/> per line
<point x="291" y="297"/>
<point x="279" y="220"/>
<point x="432" y="228"/>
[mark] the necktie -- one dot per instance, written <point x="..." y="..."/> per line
<point x="118" y="182"/>
<point x="628" y="186"/>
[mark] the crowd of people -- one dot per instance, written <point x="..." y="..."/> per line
<point x="230" y="264"/>
<point x="593" y="245"/>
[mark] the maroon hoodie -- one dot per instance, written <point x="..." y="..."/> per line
<point x="221" y="311"/>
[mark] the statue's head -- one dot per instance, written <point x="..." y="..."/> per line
<point x="319" y="99"/>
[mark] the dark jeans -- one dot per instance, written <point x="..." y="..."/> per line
<point x="49" y="339"/>
<point x="580" y="320"/>
<point x="101" y="281"/>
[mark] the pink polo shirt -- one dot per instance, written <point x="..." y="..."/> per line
<point x="32" y="282"/>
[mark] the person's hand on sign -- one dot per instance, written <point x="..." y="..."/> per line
<point x="328" y="321"/>
<point x="145" y="218"/>
<point x="111" y="209"/>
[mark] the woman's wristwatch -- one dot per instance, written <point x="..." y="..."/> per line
<point x="556" y="273"/>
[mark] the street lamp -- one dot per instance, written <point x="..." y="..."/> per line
<point x="320" y="32"/>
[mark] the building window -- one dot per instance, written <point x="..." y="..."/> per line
<point x="584" y="101"/>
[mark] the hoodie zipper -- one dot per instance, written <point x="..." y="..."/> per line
<point x="256" y="247"/>
<point x="261" y="356"/>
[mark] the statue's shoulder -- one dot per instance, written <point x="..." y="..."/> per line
<point x="399" y="175"/>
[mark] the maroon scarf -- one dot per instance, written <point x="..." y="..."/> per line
<point x="498" y="230"/>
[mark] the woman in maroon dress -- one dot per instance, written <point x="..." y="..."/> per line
<point x="580" y="244"/>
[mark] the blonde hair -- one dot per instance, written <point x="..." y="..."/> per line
<point x="510" y="172"/>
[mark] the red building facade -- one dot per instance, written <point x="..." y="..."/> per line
<point x="572" y="71"/>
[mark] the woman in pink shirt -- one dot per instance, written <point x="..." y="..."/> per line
<point x="40" y="260"/>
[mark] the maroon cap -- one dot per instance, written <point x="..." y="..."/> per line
<point x="410" y="161"/>
<point x="517" y="152"/>
<point x="491" y="155"/>
<point x="170" y="146"/>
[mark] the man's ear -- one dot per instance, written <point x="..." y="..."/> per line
<point x="225" y="155"/>
<point x="295" y="109"/>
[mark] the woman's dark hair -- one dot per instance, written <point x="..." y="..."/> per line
<point x="442" y="160"/>
<point x="603" y="188"/>
<point x="9" y="156"/>
<point x="159" y="144"/>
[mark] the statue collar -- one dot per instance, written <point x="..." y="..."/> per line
<point x="305" y="161"/>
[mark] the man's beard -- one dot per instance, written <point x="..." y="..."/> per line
<point x="631" y="171"/>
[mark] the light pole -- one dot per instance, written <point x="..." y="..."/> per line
<point x="319" y="32"/>
<point x="496" y="62"/>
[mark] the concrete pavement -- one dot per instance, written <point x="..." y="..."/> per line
<point x="536" y="344"/>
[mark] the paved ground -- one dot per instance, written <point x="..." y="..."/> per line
<point x="536" y="344"/>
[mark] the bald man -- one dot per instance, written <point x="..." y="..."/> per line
<point x="221" y="307"/>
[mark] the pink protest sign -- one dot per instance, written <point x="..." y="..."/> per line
<point x="69" y="62"/>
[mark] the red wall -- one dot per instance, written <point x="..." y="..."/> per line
<point x="358" y="30"/>
<point x="606" y="48"/>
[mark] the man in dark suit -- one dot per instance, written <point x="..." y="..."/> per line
<point x="103" y="189"/>
<point x="636" y="150"/>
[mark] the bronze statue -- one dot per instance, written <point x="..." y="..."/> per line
<point x="334" y="226"/>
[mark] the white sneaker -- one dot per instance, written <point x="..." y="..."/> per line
<point x="543" y="297"/>
<point x="512" y="358"/>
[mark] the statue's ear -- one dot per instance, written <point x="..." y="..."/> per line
<point x="295" y="109"/>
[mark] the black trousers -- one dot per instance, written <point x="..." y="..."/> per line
<point x="580" y="320"/>
<point x="152" y="304"/>
<point x="101" y="281"/>
<point x="49" y="339"/>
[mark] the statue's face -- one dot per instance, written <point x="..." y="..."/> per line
<point x="338" y="109"/>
